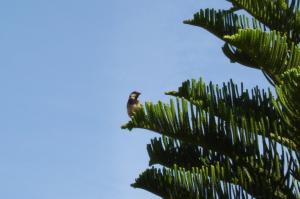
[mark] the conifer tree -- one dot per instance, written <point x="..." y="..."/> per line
<point x="225" y="141"/>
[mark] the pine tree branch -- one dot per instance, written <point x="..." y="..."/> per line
<point x="181" y="184"/>
<point x="197" y="127"/>
<point x="219" y="22"/>
<point x="238" y="107"/>
<point x="289" y="92"/>
<point x="168" y="152"/>
<point x="277" y="15"/>
<point x="207" y="182"/>
<point x="239" y="56"/>
<point x="222" y="23"/>
<point x="267" y="170"/>
<point x="288" y="100"/>
<point x="270" y="50"/>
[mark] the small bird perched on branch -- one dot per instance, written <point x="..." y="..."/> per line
<point x="133" y="103"/>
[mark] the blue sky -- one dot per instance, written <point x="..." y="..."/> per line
<point x="66" y="70"/>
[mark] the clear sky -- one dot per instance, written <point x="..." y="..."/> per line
<point x="66" y="70"/>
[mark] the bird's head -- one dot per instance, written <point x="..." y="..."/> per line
<point x="134" y="95"/>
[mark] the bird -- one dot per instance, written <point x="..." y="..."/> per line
<point x="133" y="103"/>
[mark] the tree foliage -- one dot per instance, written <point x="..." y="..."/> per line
<point x="225" y="141"/>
